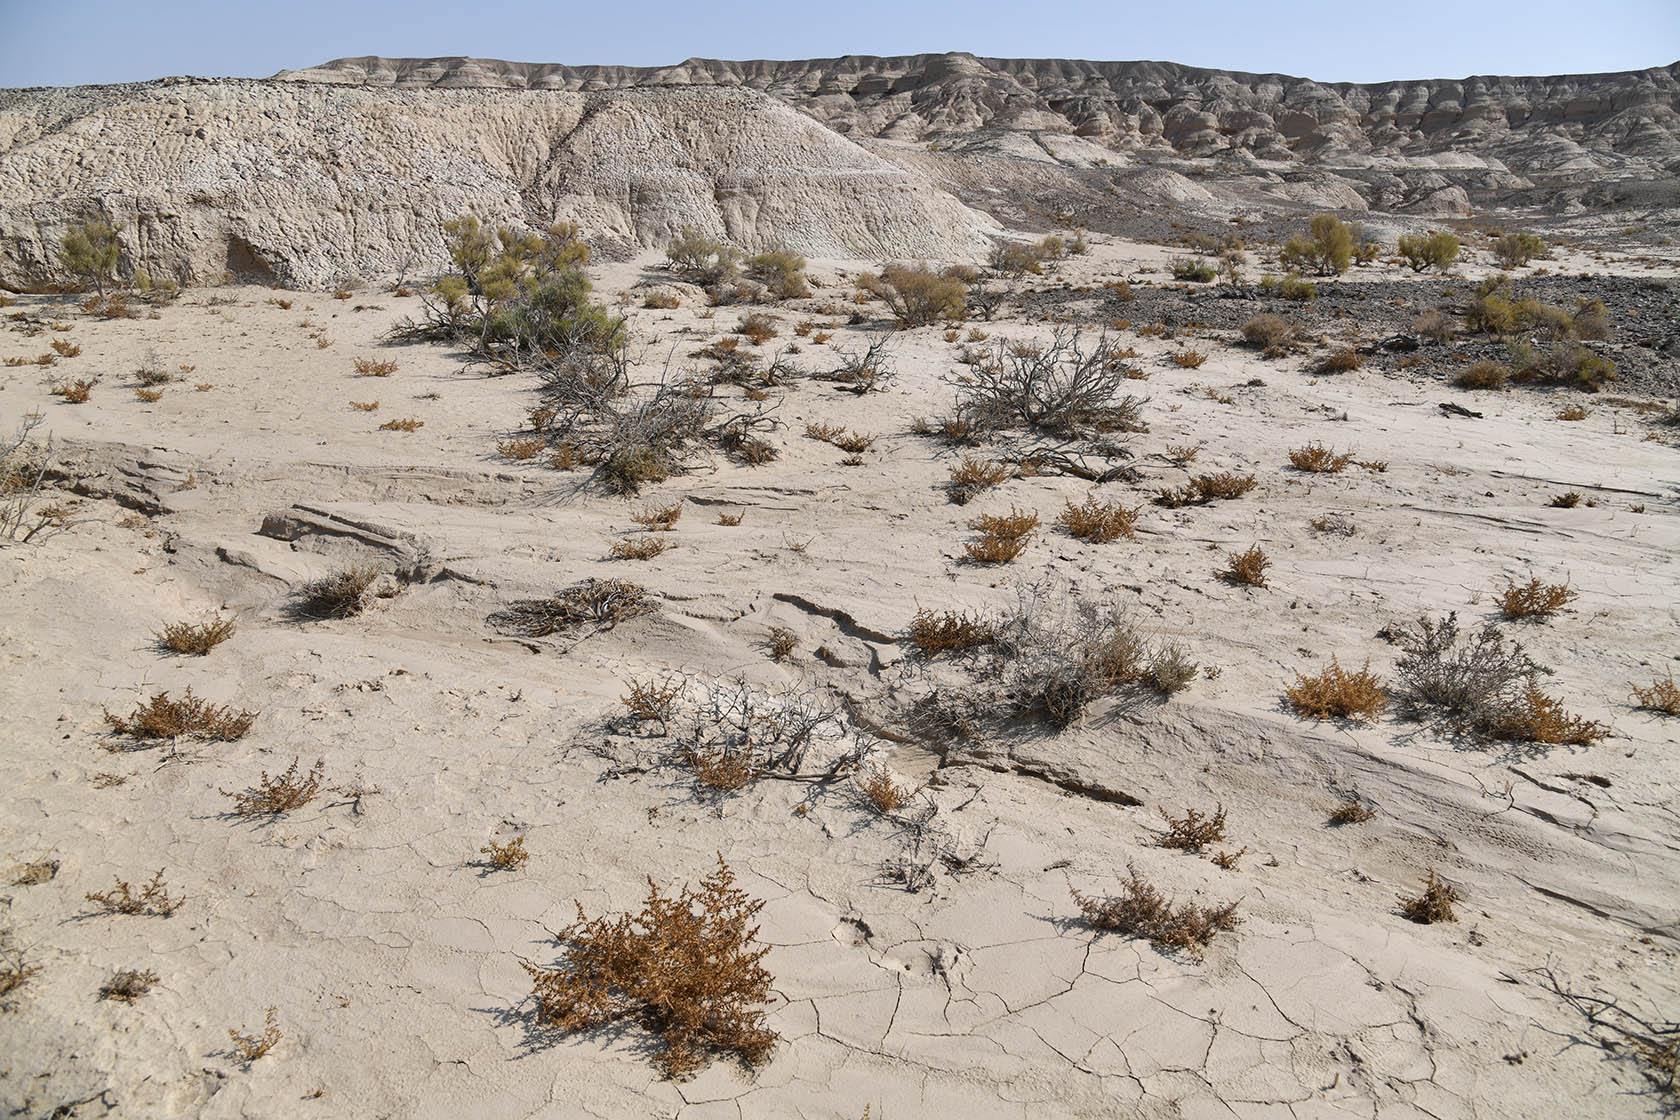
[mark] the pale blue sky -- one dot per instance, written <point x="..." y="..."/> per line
<point x="69" y="42"/>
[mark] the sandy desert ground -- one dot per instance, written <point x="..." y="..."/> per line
<point x="391" y="954"/>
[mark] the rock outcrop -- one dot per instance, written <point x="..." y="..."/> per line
<point x="1623" y="123"/>
<point x="308" y="184"/>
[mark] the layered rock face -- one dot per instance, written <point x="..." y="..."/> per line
<point x="1624" y="123"/>
<point x="308" y="184"/>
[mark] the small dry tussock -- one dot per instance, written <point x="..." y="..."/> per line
<point x="1003" y="537"/>
<point x="368" y="367"/>
<point x="971" y="477"/>
<point x="1315" y="458"/>
<point x="881" y="794"/>
<point x="1351" y="812"/>
<point x="1336" y="693"/>
<point x="1141" y="910"/>
<point x="1432" y="904"/>
<point x="1662" y="696"/>
<point x="278" y="795"/>
<point x="197" y="638"/>
<point x="1099" y="522"/>
<point x="248" y="1048"/>
<point x="164" y="718"/>
<point x="658" y="518"/>
<point x="937" y="632"/>
<point x="1533" y="599"/>
<point x="602" y="603"/>
<point x="638" y="548"/>
<point x="686" y="967"/>
<point x="1247" y="568"/>
<point x="506" y="857"/>
<point x="128" y="985"/>
<point x="1193" y="831"/>
<point x="152" y="898"/>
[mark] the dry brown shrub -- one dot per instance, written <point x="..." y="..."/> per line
<point x="278" y="795"/>
<point x="974" y="476"/>
<point x="653" y="700"/>
<point x="824" y="433"/>
<point x="365" y="406"/>
<point x="1247" y="568"/>
<point x="565" y="458"/>
<point x="1574" y="412"/>
<point x="15" y="970"/>
<point x="1182" y="454"/>
<point x="755" y="452"/>
<point x="1375" y="466"/>
<point x="598" y="602"/>
<point x="152" y="898"/>
<point x="196" y="637"/>
<point x="758" y="328"/>
<point x="506" y="857"/>
<point x="74" y="392"/>
<point x="519" y="450"/>
<point x="36" y="872"/>
<point x="936" y="632"/>
<point x="248" y="1048"/>
<point x="658" y="300"/>
<point x="1193" y="831"/>
<point x="128" y="985"/>
<point x="163" y="718"/>
<point x="368" y="367"/>
<point x="638" y="548"/>
<point x="402" y="425"/>
<point x="782" y="642"/>
<point x="881" y="793"/>
<point x="1224" y="486"/>
<point x="343" y="293"/>
<point x="1099" y="522"/>
<point x="658" y="518"/>
<point x="688" y="968"/>
<point x="1339" y="694"/>
<point x="1189" y="358"/>
<point x="64" y="348"/>
<point x="1227" y="861"/>
<point x="1432" y="904"/>
<point x="1271" y="333"/>
<point x="1351" y="812"/>
<point x="730" y="518"/>
<point x="1141" y="910"/>
<point x="1534" y="717"/>
<point x="1662" y="696"/>
<point x="1339" y="361"/>
<point x="339" y="595"/>
<point x="856" y="443"/>
<point x="282" y="304"/>
<point x="1003" y="537"/>
<point x="1483" y="375"/>
<point x="721" y="769"/>
<point x="1533" y="599"/>
<point x="1315" y="458"/>
<point x="148" y="396"/>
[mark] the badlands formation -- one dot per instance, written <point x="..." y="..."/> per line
<point x="935" y="836"/>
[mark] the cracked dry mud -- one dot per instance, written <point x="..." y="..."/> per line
<point x="393" y="958"/>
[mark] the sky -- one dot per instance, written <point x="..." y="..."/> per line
<point x="75" y="42"/>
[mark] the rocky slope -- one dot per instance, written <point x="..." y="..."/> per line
<point x="1626" y="123"/>
<point x="308" y="184"/>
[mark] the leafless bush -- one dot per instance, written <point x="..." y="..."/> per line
<point x="152" y="898"/>
<point x="1483" y="686"/>
<point x="1062" y="389"/>
<point x="1141" y="910"/>
<point x="339" y="595"/>
<point x="865" y="371"/>
<point x="1433" y="903"/>
<point x="278" y="795"/>
<point x="23" y="472"/>
<point x="598" y="603"/>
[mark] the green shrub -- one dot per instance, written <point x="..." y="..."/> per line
<point x="782" y="272"/>
<point x="1185" y="268"/>
<point x="1328" y="250"/>
<point x="1013" y="259"/>
<point x="90" y="252"/>
<point x="917" y="295"/>
<point x="1514" y="250"/>
<point x="1438" y="250"/>
<point x="707" y="261"/>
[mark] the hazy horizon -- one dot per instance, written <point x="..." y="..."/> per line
<point x="1315" y="39"/>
